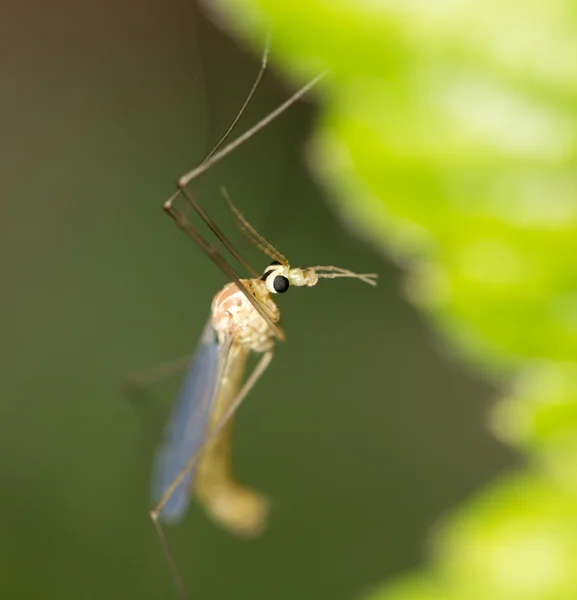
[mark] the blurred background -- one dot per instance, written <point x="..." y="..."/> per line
<point x="364" y="431"/>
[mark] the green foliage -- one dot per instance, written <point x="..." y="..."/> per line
<point x="448" y="138"/>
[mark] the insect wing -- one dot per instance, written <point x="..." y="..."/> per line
<point x="186" y="428"/>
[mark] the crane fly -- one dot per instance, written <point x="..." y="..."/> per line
<point x="194" y="457"/>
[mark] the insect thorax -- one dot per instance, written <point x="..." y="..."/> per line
<point x="233" y="314"/>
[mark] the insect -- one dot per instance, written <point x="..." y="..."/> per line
<point x="194" y="457"/>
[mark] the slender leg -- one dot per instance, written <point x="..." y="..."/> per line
<point x="252" y="92"/>
<point x="193" y="201"/>
<point x="136" y="389"/>
<point x="136" y="385"/>
<point x="217" y="156"/>
<point x="148" y="377"/>
<point x="221" y="263"/>
<point x="215" y="431"/>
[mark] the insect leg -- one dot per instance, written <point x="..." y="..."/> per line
<point x="155" y="512"/>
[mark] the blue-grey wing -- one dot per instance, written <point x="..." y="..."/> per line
<point x="186" y="429"/>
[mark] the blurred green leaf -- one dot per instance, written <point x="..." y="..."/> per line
<point x="448" y="139"/>
<point x="516" y="540"/>
<point x="540" y="415"/>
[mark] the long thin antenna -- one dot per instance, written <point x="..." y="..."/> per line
<point x="168" y="206"/>
<point x="251" y="233"/>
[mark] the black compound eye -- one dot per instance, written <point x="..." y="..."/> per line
<point x="280" y="284"/>
<point x="268" y="270"/>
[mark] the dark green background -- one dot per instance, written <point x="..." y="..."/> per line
<point x="363" y="431"/>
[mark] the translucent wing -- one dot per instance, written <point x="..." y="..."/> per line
<point x="186" y="428"/>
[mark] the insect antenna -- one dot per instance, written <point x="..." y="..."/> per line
<point x="251" y="233"/>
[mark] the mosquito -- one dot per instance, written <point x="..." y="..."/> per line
<point x="195" y="456"/>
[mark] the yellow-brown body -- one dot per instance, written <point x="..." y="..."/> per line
<point x="238" y="508"/>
